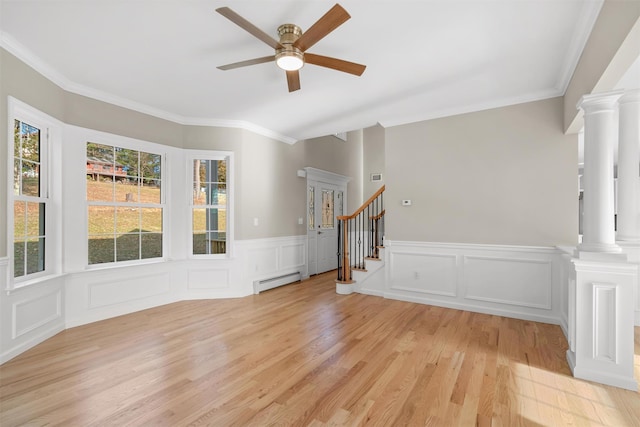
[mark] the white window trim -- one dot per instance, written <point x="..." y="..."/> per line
<point x="192" y="155"/>
<point x="113" y="140"/>
<point x="50" y="172"/>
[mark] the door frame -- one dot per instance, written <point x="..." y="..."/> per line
<point x="332" y="178"/>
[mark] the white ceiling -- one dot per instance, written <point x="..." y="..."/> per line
<point x="424" y="59"/>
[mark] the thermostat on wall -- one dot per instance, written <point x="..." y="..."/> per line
<point x="406" y="203"/>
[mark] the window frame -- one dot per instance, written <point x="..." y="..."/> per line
<point x="133" y="145"/>
<point x="50" y="158"/>
<point x="191" y="156"/>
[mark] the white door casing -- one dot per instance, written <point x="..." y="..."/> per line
<point x="326" y="192"/>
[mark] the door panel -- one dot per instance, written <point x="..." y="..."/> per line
<point x="325" y="202"/>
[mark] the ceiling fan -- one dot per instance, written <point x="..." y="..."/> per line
<point x="291" y="51"/>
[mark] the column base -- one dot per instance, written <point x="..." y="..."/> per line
<point x="601" y="317"/>
<point x="606" y="248"/>
<point x="599" y="376"/>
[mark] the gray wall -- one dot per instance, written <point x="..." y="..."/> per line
<point x="502" y="176"/>
<point x="341" y="157"/>
<point x="373" y="139"/>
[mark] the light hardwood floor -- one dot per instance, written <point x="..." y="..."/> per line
<point x="303" y="355"/>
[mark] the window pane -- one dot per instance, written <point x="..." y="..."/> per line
<point x="216" y="219"/>
<point x="16" y="177"/>
<point x="18" y="258"/>
<point x="101" y="219"/>
<point x="35" y="219"/>
<point x="217" y="242"/>
<point x="327" y="209"/>
<point x="199" y="243"/>
<point x="30" y="178"/>
<point x="216" y="194"/>
<point x="19" y="220"/>
<point x="127" y="163"/>
<point x="150" y="191"/>
<point x="127" y="220"/>
<point x="150" y="165"/>
<point x="17" y="143"/>
<point x="100" y="167"/>
<point x="151" y="245"/>
<point x="97" y="190"/>
<point x="35" y="255"/>
<point x="199" y="219"/>
<point x="101" y="249"/>
<point x="127" y="247"/>
<point x="127" y="190"/>
<point x="151" y="219"/>
<point x="30" y="149"/>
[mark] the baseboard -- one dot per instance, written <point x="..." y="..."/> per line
<point x="474" y="308"/>
<point x="32" y="342"/>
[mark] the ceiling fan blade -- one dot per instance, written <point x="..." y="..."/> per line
<point x="249" y="27"/>
<point x="247" y="63"/>
<point x="331" y="20"/>
<point x="335" y="63"/>
<point x="293" y="80"/>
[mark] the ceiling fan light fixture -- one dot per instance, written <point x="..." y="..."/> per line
<point x="289" y="60"/>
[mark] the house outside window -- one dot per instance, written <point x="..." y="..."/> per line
<point x="30" y="198"/>
<point x="125" y="204"/>
<point x="210" y="204"/>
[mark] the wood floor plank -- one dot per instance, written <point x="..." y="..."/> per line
<point x="303" y="355"/>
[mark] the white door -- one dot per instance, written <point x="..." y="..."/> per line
<point x="325" y="202"/>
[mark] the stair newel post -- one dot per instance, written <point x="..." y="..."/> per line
<point x="339" y="252"/>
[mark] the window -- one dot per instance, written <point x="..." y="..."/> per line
<point x="30" y="198"/>
<point x="125" y="204"/>
<point x="210" y="203"/>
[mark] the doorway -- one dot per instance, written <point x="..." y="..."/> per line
<point x="326" y="193"/>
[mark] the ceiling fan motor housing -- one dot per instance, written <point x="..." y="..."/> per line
<point x="289" y="33"/>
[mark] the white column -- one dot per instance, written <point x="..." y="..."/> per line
<point x="629" y="167"/>
<point x="599" y="138"/>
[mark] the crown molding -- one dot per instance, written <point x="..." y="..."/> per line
<point x="584" y="25"/>
<point x="18" y="50"/>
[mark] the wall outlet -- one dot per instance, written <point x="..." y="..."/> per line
<point x="300" y="221"/>
<point x="255" y="222"/>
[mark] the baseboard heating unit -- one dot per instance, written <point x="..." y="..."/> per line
<point x="274" y="282"/>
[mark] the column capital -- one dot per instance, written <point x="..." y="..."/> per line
<point x="630" y="96"/>
<point x="595" y="102"/>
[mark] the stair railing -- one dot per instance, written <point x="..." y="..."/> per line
<point x="360" y="236"/>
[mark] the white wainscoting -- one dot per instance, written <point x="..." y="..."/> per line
<point x="29" y="315"/>
<point x="36" y="312"/>
<point x="269" y="258"/>
<point x="513" y="281"/>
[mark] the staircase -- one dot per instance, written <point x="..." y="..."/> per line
<point x="360" y="240"/>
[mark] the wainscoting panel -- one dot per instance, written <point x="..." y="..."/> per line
<point x="263" y="261"/>
<point x="513" y="281"/>
<point x="427" y="273"/>
<point x="112" y="292"/>
<point x="272" y="258"/>
<point x="605" y="331"/>
<point x="30" y="314"/>
<point x="293" y="256"/>
<point x="208" y="279"/>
